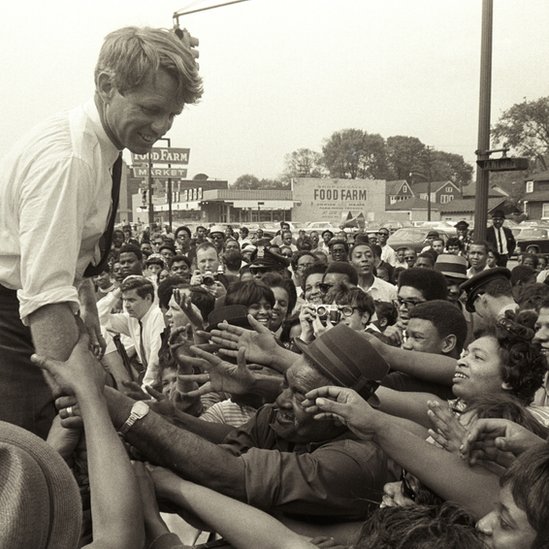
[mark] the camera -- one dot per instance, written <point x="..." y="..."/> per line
<point x="329" y="312"/>
<point x="208" y="278"/>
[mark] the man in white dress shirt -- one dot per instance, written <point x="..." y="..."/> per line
<point x="57" y="185"/>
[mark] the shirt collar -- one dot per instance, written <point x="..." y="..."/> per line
<point x="107" y="146"/>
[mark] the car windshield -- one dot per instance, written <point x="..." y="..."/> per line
<point x="408" y="234"/>
<point x="528" y="234"/>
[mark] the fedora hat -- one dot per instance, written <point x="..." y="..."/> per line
<point x="40" y="505"/>
<point x="347" y="359"/>
<point x="452" y="266"/>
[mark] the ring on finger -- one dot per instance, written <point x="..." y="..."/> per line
<point x="70" y="411"/>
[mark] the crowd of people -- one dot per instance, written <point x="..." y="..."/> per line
<point x="291" y="391"/>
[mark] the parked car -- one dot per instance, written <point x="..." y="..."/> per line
<point x="320" y="226"/>
<point x="413" y="237"/>
<point x="532" y="239"/>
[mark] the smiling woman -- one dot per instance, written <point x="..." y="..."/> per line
<point x="256" y="296"/>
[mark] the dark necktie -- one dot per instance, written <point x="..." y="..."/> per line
<point x="106" y="238"/>
<point x="142" y="346"/>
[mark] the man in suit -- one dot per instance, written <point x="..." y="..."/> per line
<point x="500" y="238"/>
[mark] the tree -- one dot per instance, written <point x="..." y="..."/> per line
<point x="303" y="163"/>
<point x="251" y="182"/>
<point x="355" y="153"/>
<point x="246" y="181"/>
<point x="407" y="155"/>
<point x="450" y="167"/>
<point x="525" y="129"/>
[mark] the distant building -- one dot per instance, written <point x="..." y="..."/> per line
<point x="442" y="192"/>
<point x="413" y="209"/>
<point x="398" y="191"/>
<point x="536" y="196"/>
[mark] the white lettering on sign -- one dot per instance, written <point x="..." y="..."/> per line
<point x="340" y="194"/>
<point x="163" y="155"/>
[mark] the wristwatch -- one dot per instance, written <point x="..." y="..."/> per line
<point x="139" y="411"/>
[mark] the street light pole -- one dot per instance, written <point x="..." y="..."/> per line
<point x="483" y="175"/>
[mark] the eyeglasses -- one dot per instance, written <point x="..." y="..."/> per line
<point x="347" y="310"/>
<point x="406" y="487"/>
<point x="324" y="288"/>
<point x="382" y="234"/>
<point x="408" y="303"/>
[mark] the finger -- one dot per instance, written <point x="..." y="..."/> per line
<point x="241" y="359"/>
<point x="175" y="333"/>
<point x="257" y="326"/>
<point x="48" y="364"/>
<point x="439" y="438"/>
<point x="202" y="390"/>
<point x="230" y="328"/>
<point x="327" y="391"/>
<point x="203" y="334"/>
<point x="65" y="401"/>
<point x="328" y="415"/>
<point x="73" y="422"/>
<point x="212" y="359"/>
<point x="208" y="347"/>
<point x="225" y="342"/>
<point x="154" y="393"/>
<point x="439" y="424"/>
<point x="253" y="366"/>
<point x="228" y="352"/>
<point x="199" y="378"/>
<point x="331" y="406"/>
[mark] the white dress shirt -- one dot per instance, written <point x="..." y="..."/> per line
<point x="389" y="255"/>
<point x="55" y="197"/>
<point x="380" y="290"/>
<point x="123" y="323"/>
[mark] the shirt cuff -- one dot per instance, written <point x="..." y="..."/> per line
<point x="28" y="304"/>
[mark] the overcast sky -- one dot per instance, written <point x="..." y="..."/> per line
<point x="284" y="74"/>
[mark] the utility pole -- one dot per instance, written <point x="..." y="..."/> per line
<point x="483" y="144"/>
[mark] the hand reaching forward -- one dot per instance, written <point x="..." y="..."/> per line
<point x="497" y="440"/>
<point x="448" y="432"/>
<point x="260" y="344"/>
<point x="345" y="405"/>
<point x="220" y="376"/>
<point x="79" y="373"/>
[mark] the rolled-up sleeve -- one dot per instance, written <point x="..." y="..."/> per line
<point x="340" y="478"/>
<point x="52" y="211"/>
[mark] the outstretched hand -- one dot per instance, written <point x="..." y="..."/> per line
<point x="220" y="375"/>
<point x="498" y="441"/>
<point x="345" y="405"/>
<point x="448" y="432"/>
<point x="79" y="373"/>
<point x="259" y="343"/>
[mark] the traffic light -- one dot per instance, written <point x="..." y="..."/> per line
<point x="185" y="36"/>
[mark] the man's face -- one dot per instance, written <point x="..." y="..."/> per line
<point x="292" y="423"/>
<point x="129" y="264"/>
<point x="207" y="260"/>
<point x="410" y="257"/>
<point x="286" y="238"/>
<point x="146" y="248"/>
<point x="175" y="317"/>
<point x="117" y="272"/>
<point x="136" y="306"/>
<point x="453" y="288"/>
<point x="454" y="250"/>
<point x="529" y="262"/>
<point x="383" y="235"/>
<point x="542" y="330"/>
<point x="117" y="239"/>
<point x="217" y="240"/>
<point x="232" y="245"/>
<point x="180" y="268"/>
<point x="167" y="254"/>
<point x="408" y="297"/>
<point x="423" y="336"/>
<point x="507" y="526"/>
<point x="401" y="252"/>
<point x="200" y="234"/>
<point x="338" y="252"/>
<point x="477" y="256"/>
<point x="438" y="246"/>
<point x="424" y="263"/>
<point x="137" y="119"/>
<point x="362" y="259"/>
<point x="497" y="222"/>
<point x="183" y="240"/>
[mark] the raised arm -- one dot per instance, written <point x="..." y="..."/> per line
<point x="446" y="474"/>
<point x="115" y="503"/>
<point x="245" y="527"/>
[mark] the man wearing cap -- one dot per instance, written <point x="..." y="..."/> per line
<point x="500" y="238"/>
<point x="431" y="235"/>
<point x="490" y="294"/>
<point x="283" y="459"/>
<point x="462" y="231"/>
<point x="217" y="237"/>
<point x="265" y="261"/>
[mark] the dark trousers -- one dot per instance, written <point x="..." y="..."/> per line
<point x="25" y="397"/>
